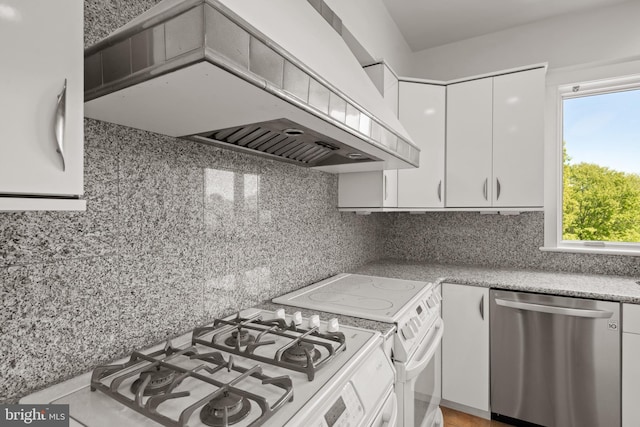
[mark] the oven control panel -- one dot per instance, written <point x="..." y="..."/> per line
<point x="346" y="410"/>
<point x="415" y="325"/>
<point x="357" y="396"/>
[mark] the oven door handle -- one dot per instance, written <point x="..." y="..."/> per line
<point x="414" y="367"/>
<point x="392" y="419"/>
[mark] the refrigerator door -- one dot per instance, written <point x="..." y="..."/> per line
<point x="555" y="361"/>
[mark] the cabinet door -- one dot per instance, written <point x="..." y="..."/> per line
<point x="518" y="138"/>
<point x="630" y="365"/>
<point x="42" y="45"/>
<point x="469" y="143"/>
<point x="465" y="345"/>
<point x="361" y="189"/>
<point x="422" y="113"/>
<point x="630" y="380"/>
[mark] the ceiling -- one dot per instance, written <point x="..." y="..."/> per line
<point x="429" y="23"/>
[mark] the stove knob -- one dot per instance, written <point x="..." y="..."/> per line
<point x="407" y="332"/>
<point x="416" y="320"/>
<point x="297" y="318"/>
<point x="413" y="324"/>
<point x="279" y="313"/>
<point x="430" y="302"/>
<point x="333" y="325"/>
<point x="314" y="321"/>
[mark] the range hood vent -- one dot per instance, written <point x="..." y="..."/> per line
<point x="239" y="74"/>
<point x="286" y="141"/>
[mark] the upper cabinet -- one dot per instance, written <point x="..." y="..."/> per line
<point x="518" y="139"/>
<point x="376" y="189"/>
<point x="422" y="112"/>
<point x="469" y="141"/>
<point x="495" y="145"/>
<point x="41" y="138"/>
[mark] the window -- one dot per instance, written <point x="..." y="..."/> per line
<point x="598" y="179"/>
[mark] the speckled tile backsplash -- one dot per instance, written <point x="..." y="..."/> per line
<point x="175" y="233"/>
<point x="469" y="238"/>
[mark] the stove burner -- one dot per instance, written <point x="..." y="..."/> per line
<point x="245" y="338"/>
<point x="236" y="407"/>
<point x="161" y="379"/>
<point x="297" y="354"/>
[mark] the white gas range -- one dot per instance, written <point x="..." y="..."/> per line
<point x="414" y="307"/>
<point x="254" y="369"/>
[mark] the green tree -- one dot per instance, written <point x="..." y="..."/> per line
<point x="599" y="203"/>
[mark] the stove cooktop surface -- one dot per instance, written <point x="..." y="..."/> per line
<point x="368" y="297"/>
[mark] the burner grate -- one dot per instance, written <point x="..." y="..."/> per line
<point x="333" y="342"/>
<point x="140" y="363"/>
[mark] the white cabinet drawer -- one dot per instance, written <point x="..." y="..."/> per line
<point x="631" y="318"/>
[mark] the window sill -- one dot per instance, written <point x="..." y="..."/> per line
<point x="591" y="250"/>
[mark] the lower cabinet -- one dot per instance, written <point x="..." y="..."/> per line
<point x="465" y="347"/>
<point x="630" y="365"/>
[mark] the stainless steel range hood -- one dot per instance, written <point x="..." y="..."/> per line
<point x="267" y="77"/>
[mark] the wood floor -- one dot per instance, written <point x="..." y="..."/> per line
<point x="460" y="419"/>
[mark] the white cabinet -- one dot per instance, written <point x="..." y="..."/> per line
<point x="495" y="141"/>
<point x="422" y="112"/>
<point x="630" y="365"/>
<point x="469" y="141"/>
<point x="518" y="139"/>
<point x="42" y="48"/>
<point x="377" y="189"/>
<point x="465" y="347"/>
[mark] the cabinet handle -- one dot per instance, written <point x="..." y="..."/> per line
<point x="440" y="191"/>
<point x="497" y="188"/>
<point x="484" y="188"/>
<point x="385" y="187"/>
<point x="60" y="121"/>
<point x="482" y="307"/>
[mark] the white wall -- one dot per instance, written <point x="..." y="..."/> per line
<point x="370" y="23"/>
<point x="596" y="36"/>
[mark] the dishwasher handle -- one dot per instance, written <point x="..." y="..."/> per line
<point x="551" y="309"/>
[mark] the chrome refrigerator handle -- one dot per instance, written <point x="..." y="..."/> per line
<point x="60" y="121"/>
<point x="551" y="309"/>
<point x="482" y="307"/>
<point x="497" y="188"/>
<point x="440" y="191"/>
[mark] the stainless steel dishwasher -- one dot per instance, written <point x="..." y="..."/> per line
<point x="555" y="361"/>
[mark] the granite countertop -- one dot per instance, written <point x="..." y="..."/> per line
<point x="384" y="328"/>
<point x="611" y="288"/>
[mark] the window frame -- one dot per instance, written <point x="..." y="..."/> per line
<point x="556" y="94"/>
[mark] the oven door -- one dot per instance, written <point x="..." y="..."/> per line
<point x="418" y="385"/>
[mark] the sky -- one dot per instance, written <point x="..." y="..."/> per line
<point x="604" y="129"/>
